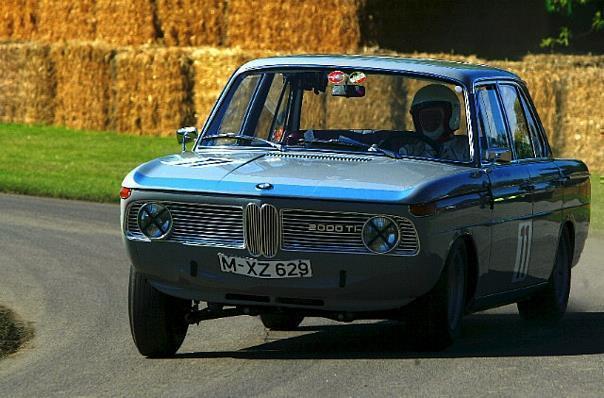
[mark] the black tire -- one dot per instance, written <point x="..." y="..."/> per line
<point x="549" y="304"/>
<point x="157" y="321"/>
<point x="435" y="319"/>
<point x="281" y="321"/>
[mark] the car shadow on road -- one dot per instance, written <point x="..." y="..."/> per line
<point x="485" y="335"/>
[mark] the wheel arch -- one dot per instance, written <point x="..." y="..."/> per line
<point x="469" y="244"/>
<point x="472" y="274"/>
<point x="568" y="227"/>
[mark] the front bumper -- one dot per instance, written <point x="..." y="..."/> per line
<point x="340" y="282"/>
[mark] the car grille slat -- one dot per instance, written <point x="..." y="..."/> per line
<point x="196" y="224"/>
<point x="264" y="230"/>
<point x="298" y="236"/>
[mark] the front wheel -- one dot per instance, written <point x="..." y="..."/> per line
<point x="436" y="317"/>
<point x="157" y="321"/>
<point x="549" y="305"/>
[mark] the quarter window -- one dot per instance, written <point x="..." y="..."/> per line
<point x="271" y="122"/>
<point x="517" y="122"/>
<point x="233" y="118"/>
<point x="539" y="145"/>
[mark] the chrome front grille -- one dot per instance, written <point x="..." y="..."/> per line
<point x="196" y="224"/>
<point x="262" y="229"/>
<point x="338" y="232"/>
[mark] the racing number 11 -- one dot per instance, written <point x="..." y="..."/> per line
<point x="523" y="251"/>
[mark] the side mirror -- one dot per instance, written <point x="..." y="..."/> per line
<point x="185" y="135"/>
<point x="499" y="155"/>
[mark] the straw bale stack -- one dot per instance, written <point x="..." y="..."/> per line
<point x="213" y="67"/>
<point x="60" y="20"/>
<point x="18" y="19"/>
<point x="152" y="91"/>
<point x="557" y="60"/>
<point x="192" y="22"/>
<point x="126" y="22"/>
<point x="27" y="83"/>
<point x="321" y="26"/>
<point x="83" y="76"/>
<point x="583" y="116"/>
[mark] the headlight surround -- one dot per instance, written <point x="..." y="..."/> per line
<point x="381" y="234"/>
<point x="155" y="221"/>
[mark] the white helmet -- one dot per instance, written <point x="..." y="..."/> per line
<point x="432" y="106"/>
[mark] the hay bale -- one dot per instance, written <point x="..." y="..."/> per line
<point x="126" y="22"/>
<point x="321" y="26"/>
<point x="27" y="83"/>
<point x="564" y="61"/>
<point x="60" y="20"/>
<point x="18" y="19"/>
<point x="191" y="22"/>
<point x="83" y="76"/>
<point x="152" y="91"/>
<point x="583" y="116"/>
<point x="213" y="67"/>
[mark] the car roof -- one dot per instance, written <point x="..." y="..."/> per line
<point x="463" y="72"/>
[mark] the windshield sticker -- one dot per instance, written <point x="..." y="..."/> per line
<point x="357" y="77"/>
<point x="336" y="77"/>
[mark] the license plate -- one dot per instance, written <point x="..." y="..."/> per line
<point x="256" y="268"/>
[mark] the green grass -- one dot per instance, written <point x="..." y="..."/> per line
<point x="64" y="163"/>
<point x="13" y="333"/>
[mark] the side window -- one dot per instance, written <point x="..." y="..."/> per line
<point x="490" y="118"/>
<point x="517" y="122"/>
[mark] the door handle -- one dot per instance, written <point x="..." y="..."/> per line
<point x="563" y="181"/>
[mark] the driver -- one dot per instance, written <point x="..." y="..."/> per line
<point x="435" y="111"/>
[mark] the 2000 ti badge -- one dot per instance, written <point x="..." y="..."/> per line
<point x="265" y="268"/>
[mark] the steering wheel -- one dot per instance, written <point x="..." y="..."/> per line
<point x="396" y="141"/>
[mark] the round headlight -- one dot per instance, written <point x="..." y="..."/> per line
<point x="381" y="234"/>
<point x="154" y="220"/>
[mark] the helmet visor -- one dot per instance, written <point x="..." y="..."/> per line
<point x="432" y="115"/>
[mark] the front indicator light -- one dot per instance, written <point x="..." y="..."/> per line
<point x="380" y="234"/>
<point x="423" y="210"/>
<point x="125" y="193"/>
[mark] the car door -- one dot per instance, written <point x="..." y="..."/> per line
<point x="511" y="197"/>
<point x="545" y="181"/>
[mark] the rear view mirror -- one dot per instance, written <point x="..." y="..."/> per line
<point x="185" y="135"/>
<point x="348" y="90"/>
<point x="499" y="155"/>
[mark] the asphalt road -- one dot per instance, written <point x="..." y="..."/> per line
<point x="63" y="267"/>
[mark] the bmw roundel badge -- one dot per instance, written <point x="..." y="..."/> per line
<point x="264" y="186"/>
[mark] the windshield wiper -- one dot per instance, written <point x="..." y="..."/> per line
<point x="242" y="137"/>
<point x="349" y="142"/>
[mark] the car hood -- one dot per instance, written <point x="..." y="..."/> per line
<point x="303" y="174"/>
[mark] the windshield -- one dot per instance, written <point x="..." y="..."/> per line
<point x="343" y="110"/>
